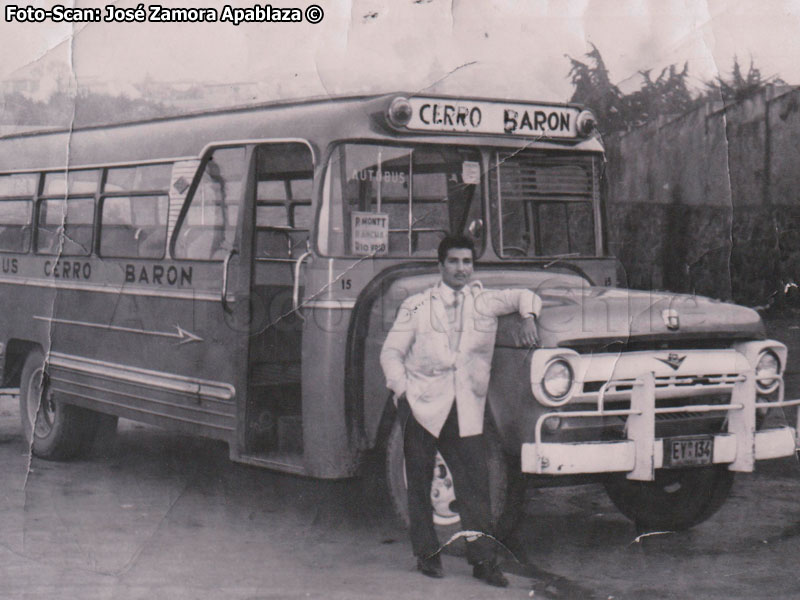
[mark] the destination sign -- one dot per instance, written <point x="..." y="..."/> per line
<point x="370" y="233"/>
<point x="471" y="116"/>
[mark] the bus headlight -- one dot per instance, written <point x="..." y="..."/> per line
<point x="768" y="371"/>
<point x="400" y="112"/>
<point x="557" y="380"/>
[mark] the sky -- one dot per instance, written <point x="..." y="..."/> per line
<point x="503" y="48"/>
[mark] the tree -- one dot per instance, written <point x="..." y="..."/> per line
<point x="738" y="86"/>
<point x="668" y="94"/>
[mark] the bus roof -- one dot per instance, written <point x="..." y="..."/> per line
<point x="317" y="119"/>
<point x="33" y="131"/>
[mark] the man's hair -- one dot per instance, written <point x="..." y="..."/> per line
<point x="451" y="242"/>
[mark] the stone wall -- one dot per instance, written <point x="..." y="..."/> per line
<point x="710" y="202"/>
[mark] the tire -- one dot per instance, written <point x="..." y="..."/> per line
<point x="446" y="519"/>
<point x="54" y="430"/>
<point x="675" y="501"/>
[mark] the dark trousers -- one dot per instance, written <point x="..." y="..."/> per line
<point x="466" y="458"/>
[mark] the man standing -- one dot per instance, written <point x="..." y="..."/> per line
<point x="437" y="359"/>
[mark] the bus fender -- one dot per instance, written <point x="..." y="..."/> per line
<point x="14" y="358"/>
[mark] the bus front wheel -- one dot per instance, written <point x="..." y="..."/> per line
<point x="505" y="505"/>
<point x="677" y="500"/>
<point x="54" y="430"/>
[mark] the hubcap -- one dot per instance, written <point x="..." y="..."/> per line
<point x="40" y="404"/>
<point x="443" y="494"/>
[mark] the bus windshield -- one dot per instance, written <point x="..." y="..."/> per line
<point x="544" y="204"/>
<point x="398" y="200"/>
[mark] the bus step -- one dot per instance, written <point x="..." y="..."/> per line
<point x="288" y="462"/>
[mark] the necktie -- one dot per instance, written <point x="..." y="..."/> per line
<point x="456" y="324"/>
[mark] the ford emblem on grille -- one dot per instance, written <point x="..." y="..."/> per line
<point x="673" y="360"/>
<point x="671" y="319"/>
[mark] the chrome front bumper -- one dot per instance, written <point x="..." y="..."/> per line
<point x="642" y="453"/>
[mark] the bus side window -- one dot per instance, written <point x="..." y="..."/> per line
<point x="65" y="223"/>
<point x="15" y="225"/>
<point x="208" y="230"/>
<point x="16" y="206"/>
<point x="283" y="200"/>
<point x="134" y="227"/>
<point x="65" y="226"/>
<point x="133" y="213"/>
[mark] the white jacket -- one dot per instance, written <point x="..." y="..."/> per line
<point x="417" y="359"/>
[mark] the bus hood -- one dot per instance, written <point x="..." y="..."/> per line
<point x="596" y="319"/>
<point x="591" y="318"/>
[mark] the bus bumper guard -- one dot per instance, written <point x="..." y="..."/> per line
<point x="642" y="453"/>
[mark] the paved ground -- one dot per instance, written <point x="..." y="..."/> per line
<point x="156" y="515"/>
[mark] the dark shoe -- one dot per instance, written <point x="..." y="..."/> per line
<point x="430" y="566"/>
<point x="490" y="573"/>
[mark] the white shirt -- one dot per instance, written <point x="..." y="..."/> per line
<point x="454" y="306"/>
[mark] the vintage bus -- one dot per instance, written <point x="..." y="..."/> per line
<point x="233" y="274"/>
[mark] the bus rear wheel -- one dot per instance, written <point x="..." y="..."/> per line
<point x="54" y="430"/>
<point x="505" y="505"/>
<point x="677" y="499"/>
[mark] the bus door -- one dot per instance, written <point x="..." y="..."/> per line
<point x="282" y="215"/>
<point x="214" y="240"/>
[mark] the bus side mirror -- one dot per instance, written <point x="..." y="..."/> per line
<point x="476" y="228"/>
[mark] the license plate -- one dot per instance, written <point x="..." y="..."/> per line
<point x="688" y="451"/>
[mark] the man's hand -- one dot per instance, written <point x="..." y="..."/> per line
<point x="528" y="334"/>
